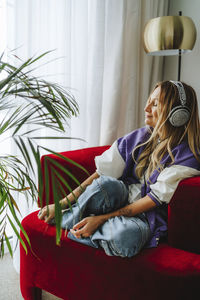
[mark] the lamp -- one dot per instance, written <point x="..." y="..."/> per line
<point x="169" y="35"/>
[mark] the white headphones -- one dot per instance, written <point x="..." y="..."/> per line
<point x="180" y="114"/>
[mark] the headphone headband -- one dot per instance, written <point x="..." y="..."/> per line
<point x="181" y="91"/>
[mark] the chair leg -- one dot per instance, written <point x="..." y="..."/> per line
<point x="37" y="294"/>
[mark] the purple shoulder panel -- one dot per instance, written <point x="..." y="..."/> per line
<point x="127" y="143"/>
<point x="183" y="156"/>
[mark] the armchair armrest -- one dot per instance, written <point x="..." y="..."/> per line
<point x="84" y="157"/>
<point x="184" y="216"/>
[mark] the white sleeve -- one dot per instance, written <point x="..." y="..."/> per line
<point x="110" y="163"/>
<point x="168" y="181"/>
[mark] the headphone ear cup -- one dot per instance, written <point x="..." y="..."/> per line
<point x="179" y="116"/>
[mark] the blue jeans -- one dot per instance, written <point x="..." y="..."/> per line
<point x="120" y="236"/>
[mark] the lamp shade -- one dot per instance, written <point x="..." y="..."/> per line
<point x="167" y="35"/>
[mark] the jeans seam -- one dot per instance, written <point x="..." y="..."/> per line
<point x="115" y="248"/>
<point x="107" y="201"/>
<point x="144" y="235"/>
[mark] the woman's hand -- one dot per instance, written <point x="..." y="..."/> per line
<point x="87" y="226"/>
<point x="47" y="213"/>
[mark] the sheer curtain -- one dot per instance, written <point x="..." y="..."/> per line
<point x="112" y="73"/>
<point x="101" y="59"/>
<point x="99" y="43"/>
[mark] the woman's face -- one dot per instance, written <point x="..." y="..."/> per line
<point x="151" y="108"/>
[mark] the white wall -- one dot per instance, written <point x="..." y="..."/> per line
<point x="190" y="70"/>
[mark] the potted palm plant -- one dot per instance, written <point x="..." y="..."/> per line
<point x="27" y="100"/>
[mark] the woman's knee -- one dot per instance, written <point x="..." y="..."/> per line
<point x="114" y="190"/>
<point x="104" y="195"/>
<point x="129" y="237"/>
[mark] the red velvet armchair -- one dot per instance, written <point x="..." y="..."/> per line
<point x="73" y="271"/>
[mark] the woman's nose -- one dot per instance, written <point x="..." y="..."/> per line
<point x="147" y="107"/>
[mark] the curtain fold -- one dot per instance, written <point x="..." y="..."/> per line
<point x="101" y="60"/>
<point x="118" y="73"/>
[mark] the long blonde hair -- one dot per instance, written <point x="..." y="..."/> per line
<point x="164" y="137"/>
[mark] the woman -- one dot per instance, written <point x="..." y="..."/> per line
<point x="122" y="207"/>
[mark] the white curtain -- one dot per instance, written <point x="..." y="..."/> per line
<point x="99" y="43"/>
<point x="101" y="59"/>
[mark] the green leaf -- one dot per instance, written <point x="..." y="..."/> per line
<point x="2" y="199"/>
<point x="58" y="213"/>
<point x="25" y="153"/>
<point x="39" y="57"/>
<point x="8" y="244"/>
<point x="3" y="220"/>
<point x="46" y="181"/>
<point x="18" y="235"/>
<point x="64" y="170"/>
<point x="67" y="186"/>
<point x="2" y="248"/>
<point x="67" y="159"/>
<point x="3" y="82"/>
<point x="18" y="223"/>
<point x="36" y="154"/>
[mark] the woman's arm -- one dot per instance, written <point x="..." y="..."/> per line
<point x="78" y="191"/>
<point x="47" y="213"/>
<point x="89" y="225"/>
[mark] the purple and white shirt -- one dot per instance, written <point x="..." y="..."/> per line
<point x="117" y="162"/>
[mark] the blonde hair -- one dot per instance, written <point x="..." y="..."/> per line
<point x="164" y="137"/>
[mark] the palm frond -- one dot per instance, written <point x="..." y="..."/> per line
<point x="29" y="104"/>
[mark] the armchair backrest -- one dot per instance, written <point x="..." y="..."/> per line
<point x="184" y="216"/>
<point x="84" y="157"/>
